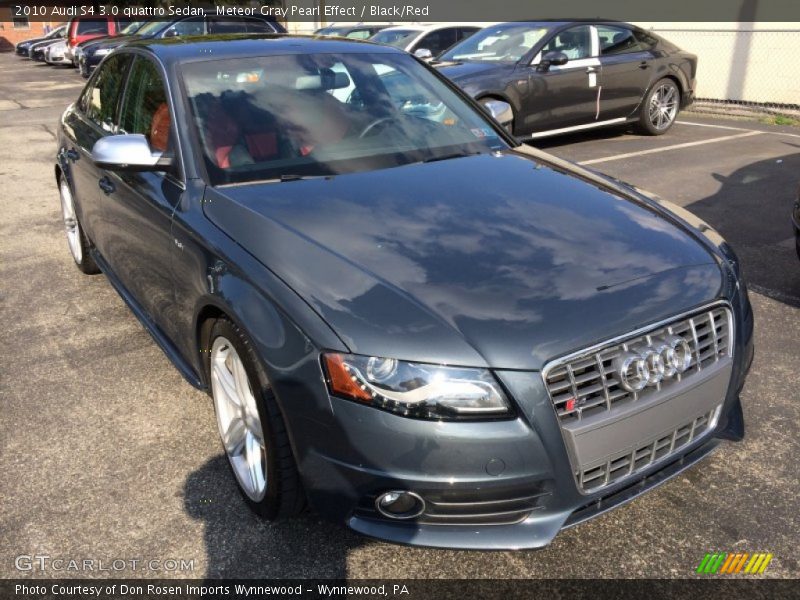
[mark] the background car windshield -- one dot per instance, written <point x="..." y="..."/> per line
<point x="152" y="27"/>
<point x="318" y="115"/>
<point x="507" y="43"/>
<point x="87" y="26"/>
<point x="395" y="37"/>
<point x="131" y="27"/>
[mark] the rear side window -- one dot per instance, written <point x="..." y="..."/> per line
<point x="646" y="41"/>
<point x="438" y="41"/>
<point x="259" y="26"/>
<point x="100" y="100"/>
<point x="617" y="40"/>
<point x="87" y="26"/>
<point x="220" y="26"/>
<point x="144" y="108"/>
<point x="194" y="26"/>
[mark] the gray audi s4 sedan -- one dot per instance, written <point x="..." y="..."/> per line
<point x="405" y="319"/>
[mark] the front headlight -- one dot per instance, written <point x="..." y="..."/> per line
<point x="102" y="51"/>
<point x="414" y="389"/>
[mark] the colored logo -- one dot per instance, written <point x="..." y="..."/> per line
<point x="724" y="563"/>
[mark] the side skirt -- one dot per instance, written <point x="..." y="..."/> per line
<point x="166" y="345"/>
<point x="549" y="132"/>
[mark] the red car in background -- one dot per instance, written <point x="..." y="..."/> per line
<point x="86" y="28"/>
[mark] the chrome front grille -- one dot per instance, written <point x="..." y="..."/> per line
<point x="587" y="384"/>
<point x="630" y="463"/>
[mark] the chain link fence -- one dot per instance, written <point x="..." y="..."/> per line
<point x="744" y="71"/>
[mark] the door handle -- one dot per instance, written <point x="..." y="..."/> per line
<point x="592" y="70"/>
<point x="72" y="154"/>
<point x="106" y="185"/>
<point x="644" y="64"/>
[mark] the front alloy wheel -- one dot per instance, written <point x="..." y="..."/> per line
<point x="238" y="419"/>
<point x="660" y="108"/>
<point x="250" y="424"/>
<point x="76" y="240"/>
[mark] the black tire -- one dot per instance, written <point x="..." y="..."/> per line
<point x="83" y="258"/>
<point x="663" y="88"/>
<point x="284" y="496"/>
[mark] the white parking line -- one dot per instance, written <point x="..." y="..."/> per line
<point x="714" y="126"/>
<point x="594" y="161"/>
<point x="797" y="135"/>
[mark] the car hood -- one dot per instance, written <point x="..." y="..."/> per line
<point x="494" y="259"/>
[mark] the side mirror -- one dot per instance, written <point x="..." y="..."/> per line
<point x="129" y="152"/>
<point x="553" y="59"/>
<point x="500" y="111"/>
<point x="171" y="33"/>
<point x="423" y="53"/>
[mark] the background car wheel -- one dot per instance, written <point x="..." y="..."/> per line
<point x="79" y="245"/>
<point x="251" y="426"/>
<point x="660" y="107"/>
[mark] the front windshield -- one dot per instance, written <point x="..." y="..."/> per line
<point x="300" y="115"/>
<point x="502" y="43"/>
<point x="151" y="27"/>
<point x="132" y="27"/>
<point x="394" y="37"/>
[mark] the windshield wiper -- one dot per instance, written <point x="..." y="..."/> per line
<point x="449" y="156"/>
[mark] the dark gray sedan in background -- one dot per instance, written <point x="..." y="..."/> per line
<point x="544" y="78"/>
<point x="426" y="331"/>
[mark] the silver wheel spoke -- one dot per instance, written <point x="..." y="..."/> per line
<point x="254" y="466"/>
<point x="234" y="437"/>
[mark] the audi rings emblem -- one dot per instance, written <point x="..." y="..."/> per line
<point x="650" y="365"/>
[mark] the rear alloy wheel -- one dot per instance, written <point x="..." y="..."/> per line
<point x="79" y="245"/>
<point x="251" y="427"/>
<point x="660" y="108"/>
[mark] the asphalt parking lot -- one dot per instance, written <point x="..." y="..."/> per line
<point x="108" y="454"/>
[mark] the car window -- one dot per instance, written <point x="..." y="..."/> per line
<point x="195" y="26"/>
<point x="359" y="34"/>
<point x="575" y="42"/>
<point x="144" y="108"/>
<point x="227" y="25"/>
<point x="259" y="26"/>
<point x="646" y="41"/>
<point x="465" y="32"/>
<point x="87" y="26"/>
<point x="616" y="40"/>
<point x="394" y="37"/>
<point x="100" y="100"/>
<point x="437" y="41"/>
<point x="319" y="115"/>
<point x="500" y="43"/>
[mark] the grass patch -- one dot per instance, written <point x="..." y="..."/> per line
<point x="781" y="120"/>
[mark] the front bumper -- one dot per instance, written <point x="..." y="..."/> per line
<point x="505" y="484"/>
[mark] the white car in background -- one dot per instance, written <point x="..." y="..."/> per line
<point x="55" y="54"/>
<point x="426" y="41"/>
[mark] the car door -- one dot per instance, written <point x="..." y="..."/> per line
<point x="562" y="96"/>
<point x="139" y="205"/>
<point x="625" y="71"/>
<point x="95" y="116"/>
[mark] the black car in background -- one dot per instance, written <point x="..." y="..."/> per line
<point x="362" y="31"/>
<point x="433" y="334"/>
<point x="24" y="47"/>
<point x="91" y="54"/>
<point x="544" y="78"/>
<point x="129" y="29"/>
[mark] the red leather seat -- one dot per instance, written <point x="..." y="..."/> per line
<point x="159" y="128"/>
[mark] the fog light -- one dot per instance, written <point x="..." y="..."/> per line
<point x="400" y="505"/>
